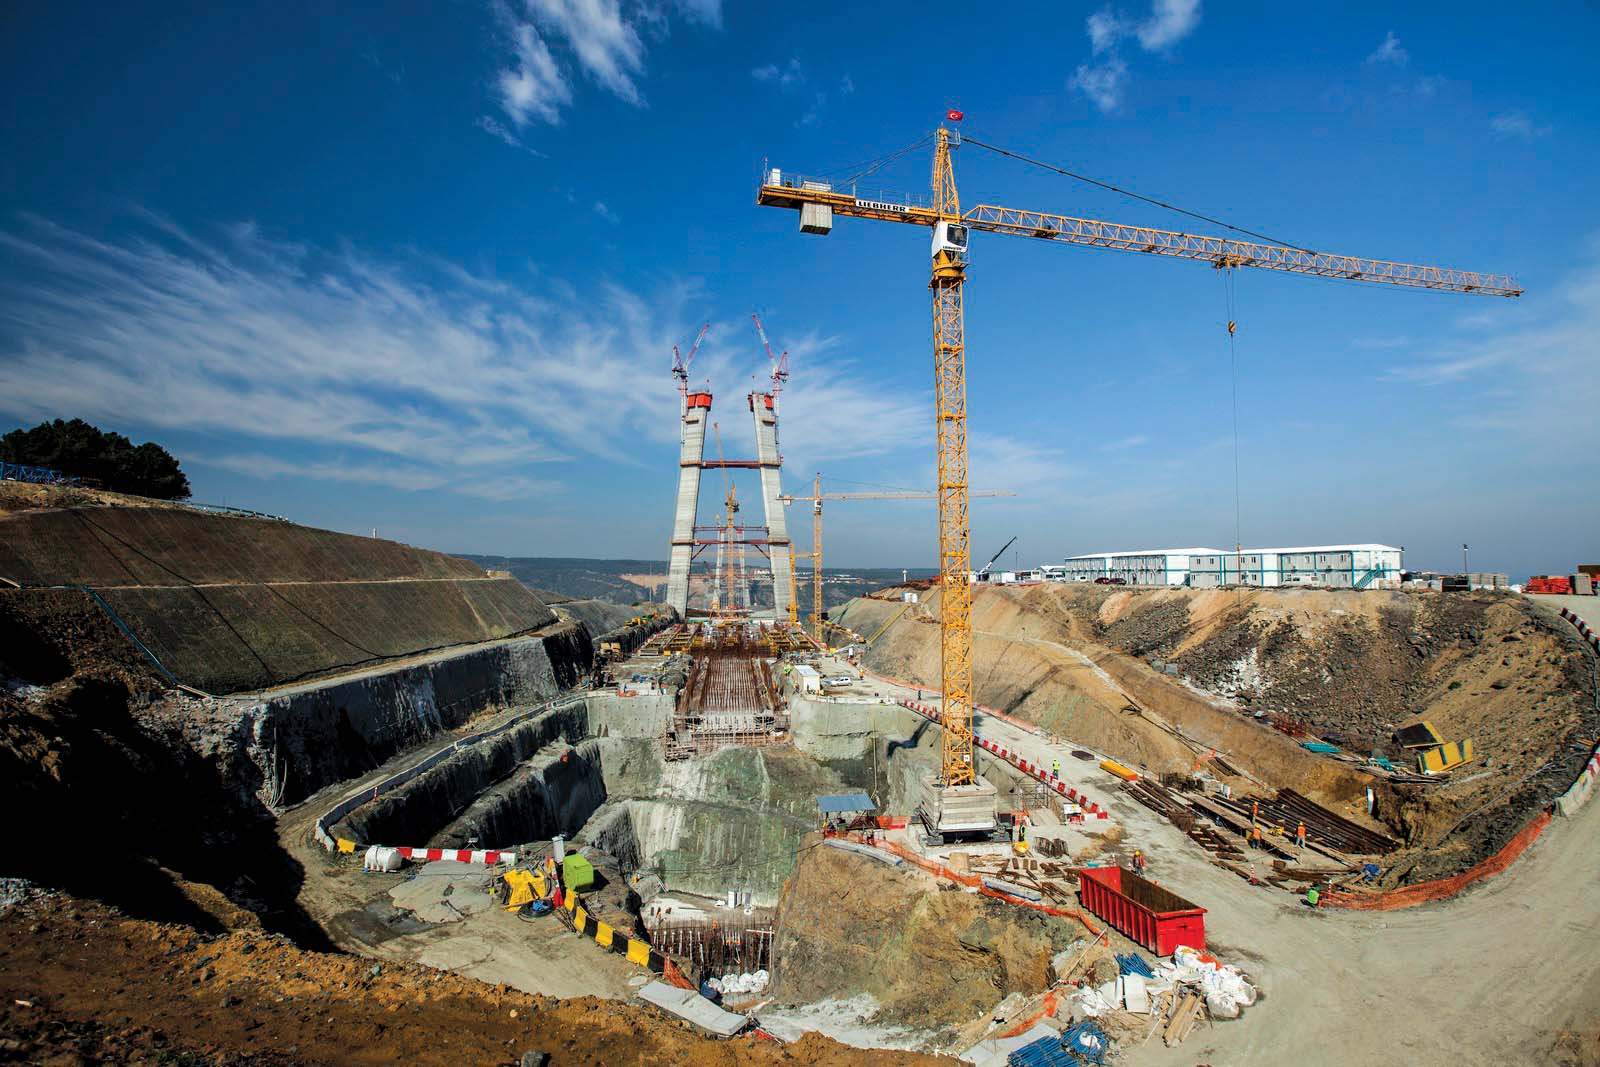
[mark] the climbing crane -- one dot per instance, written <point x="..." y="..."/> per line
<point x="818" y="202"/>
<point x="722" y="572"/>
<point x="780" y="364"/>
<point x="815" y="555"/>
<point x="680" y="368"/>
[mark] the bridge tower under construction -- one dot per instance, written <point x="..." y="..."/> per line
<point x="765" y="412"/>
<point x="691" y="460"/>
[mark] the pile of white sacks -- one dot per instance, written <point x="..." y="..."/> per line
<point x="1225" y="990"/>
<point x="733" y="984"/>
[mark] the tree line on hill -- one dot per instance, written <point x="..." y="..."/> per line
<point x="100" y="459"/>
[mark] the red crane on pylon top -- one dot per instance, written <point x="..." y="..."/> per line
<point x="780" y="364"/>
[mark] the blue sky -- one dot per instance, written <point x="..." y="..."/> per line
<point x="420" y="268"/>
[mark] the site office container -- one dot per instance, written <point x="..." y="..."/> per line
<point x="1142" y="911"/>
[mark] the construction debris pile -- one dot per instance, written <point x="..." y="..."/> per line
<point x="1175" y="992"/>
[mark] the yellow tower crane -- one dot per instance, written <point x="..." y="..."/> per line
<point x="818" y="202"/>
<point x="815" y="555"/>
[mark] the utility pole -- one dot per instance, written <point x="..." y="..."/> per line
<point x="1464" y="558"/>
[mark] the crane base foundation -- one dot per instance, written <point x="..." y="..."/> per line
<point x="956" y="811"/>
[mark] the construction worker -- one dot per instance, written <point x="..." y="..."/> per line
<point x="1300" y="835"/>
<point x="1138" y="862"/>
<point x="1055" y="768"/>
<point x="1255" y="811"/>
<point x="1313" y="895"/>
<point x="1255" y="838"/>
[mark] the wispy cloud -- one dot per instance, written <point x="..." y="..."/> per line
<point x="1123" y="444"/>
<point x="791" y="78"/>
<point x="1517" y="124"/>
<point x="606" y="213"/>
<point x="1531" y="368"/>
<point x="496" y="129"/>
<point x="602" y="39"/>
<point x="335" y="364"/>
<point x="1390" y="52"/>
<point x="788" y="76"/>
<point x="1105" y="77"/>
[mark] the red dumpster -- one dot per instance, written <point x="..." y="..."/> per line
<point x="1141" y="910"/>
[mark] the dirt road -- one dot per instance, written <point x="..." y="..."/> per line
<point x="1505" y="973"/>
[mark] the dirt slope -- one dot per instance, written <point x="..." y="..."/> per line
<point x="101" y="988"/>
<point x="945" y="959"/>
<point x="1349" y="667"/>
<point x="229" y="604"/>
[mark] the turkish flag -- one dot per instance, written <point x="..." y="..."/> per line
<point x="953" y="115"/>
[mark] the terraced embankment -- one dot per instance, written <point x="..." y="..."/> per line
<point x="228" y="604"/>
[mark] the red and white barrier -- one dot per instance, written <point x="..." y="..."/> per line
<point x="458" y="855"/>
<point x="1090" y="808"/>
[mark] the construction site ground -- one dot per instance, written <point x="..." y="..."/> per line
<point x="1505" y="968"/>
<point x="82" y="984"/>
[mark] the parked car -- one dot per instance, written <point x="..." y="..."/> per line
<point x="1110" y="581"/>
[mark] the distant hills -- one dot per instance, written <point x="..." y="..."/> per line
<point x="628" y="581"/>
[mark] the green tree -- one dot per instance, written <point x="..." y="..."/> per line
<point x="108" y="460"/>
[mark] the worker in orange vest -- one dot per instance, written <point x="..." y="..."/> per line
<point x="1255" y="811"/>
<point x="1255" y="838"/>
<point x="1300" y="834"/>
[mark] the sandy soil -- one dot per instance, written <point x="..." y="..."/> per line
<point x="81" y="984"/>
<point x="1504" y="973"/>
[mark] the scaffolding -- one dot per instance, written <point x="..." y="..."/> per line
<point x="730" y="698"/>
<point x="731" y="943"/>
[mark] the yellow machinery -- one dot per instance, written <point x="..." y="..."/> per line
<point x="1445" y="757"/>
<point x="522" y="887"/>
<point x="818" y="202"/>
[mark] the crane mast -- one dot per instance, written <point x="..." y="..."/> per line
<point x="950" y="421"/>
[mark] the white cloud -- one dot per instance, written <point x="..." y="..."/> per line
<point x="846" y="85"/>
<point x="1517" y="124"/>
<point x="705" y="12"/>
<point x="1123" y="444"/>
<point x="533" y="87"/>
<point x="358" y="367"/>
<point x="496" y="129"/>
<point x="1104" y="79"/>
<point x="1530" y="366"/>
<point x="601" y="37"/>
<point x="788" y="76"/>
<point x="1390" y="52"/>
<point x="607" y="45"/>
<point x="606" y="213"/>
<point x="1170" y="21"/>
<point x="1102" y="83"/>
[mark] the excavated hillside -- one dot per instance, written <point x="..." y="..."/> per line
<point x="229" y="603"/>
<point x="1115" y="668"/>
<point x="832" y="935"/>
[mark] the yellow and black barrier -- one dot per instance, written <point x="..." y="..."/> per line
<point x="607" y="936"/>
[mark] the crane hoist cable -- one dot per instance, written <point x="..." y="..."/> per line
<point x="1131" y="194"/>
<point x="1228" y="282"/>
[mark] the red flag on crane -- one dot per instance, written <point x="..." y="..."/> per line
<point x="953" y="115"/>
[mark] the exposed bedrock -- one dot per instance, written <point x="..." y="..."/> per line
<point x="315" y="736"/>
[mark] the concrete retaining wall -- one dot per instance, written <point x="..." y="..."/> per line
<point x="317" y="736"/>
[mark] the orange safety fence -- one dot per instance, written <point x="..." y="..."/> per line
<point x="972" y="880"/>
<point x="1412" y="895"/>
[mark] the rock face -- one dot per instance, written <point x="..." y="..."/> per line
<point x="848" y="924"/>
<point x="321" y="734"/>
